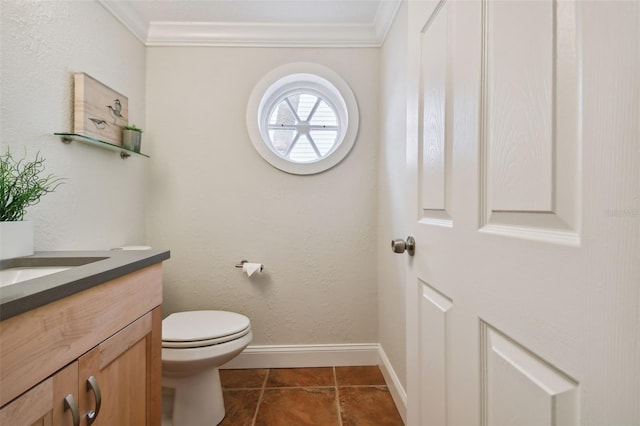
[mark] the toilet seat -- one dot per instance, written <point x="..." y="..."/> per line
<point x="207" y="342"/>
<point x="195" y="329"/>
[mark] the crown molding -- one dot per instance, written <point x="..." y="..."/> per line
<point x="387" y="11"/>
<point x="128" y="17"/>
<point x="256" y="34"/>
<point x="260" y="34"/>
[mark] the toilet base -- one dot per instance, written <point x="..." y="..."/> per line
<point x="197" y="399"/>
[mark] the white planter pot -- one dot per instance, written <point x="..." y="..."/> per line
<point x="16" y="239"/>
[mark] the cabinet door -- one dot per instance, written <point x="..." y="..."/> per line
<point x="53" y="402"/>
<point x="65" y="397"/>
<point x="116" y="380"/>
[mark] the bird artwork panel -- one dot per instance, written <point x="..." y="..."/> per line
<point x="98" y="111"/>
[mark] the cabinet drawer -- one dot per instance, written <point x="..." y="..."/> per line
<point x="34" y="407"/>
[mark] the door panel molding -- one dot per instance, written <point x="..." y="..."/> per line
<point x="519" y="387"/>
<point x="530" y="142"/>
<point x="434" y="307"/>
<point x="435" y="119"/>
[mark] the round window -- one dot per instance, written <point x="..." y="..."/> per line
<point x="302" y="118"/>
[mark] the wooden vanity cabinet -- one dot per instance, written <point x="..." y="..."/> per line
<point x="108" y="335"/>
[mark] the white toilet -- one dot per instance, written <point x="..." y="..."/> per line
<point x="194" y="345"/>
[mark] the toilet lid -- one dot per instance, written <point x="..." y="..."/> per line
<point x="198" y="326"/>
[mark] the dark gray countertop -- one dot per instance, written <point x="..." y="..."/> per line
<point x="104" y="266"/>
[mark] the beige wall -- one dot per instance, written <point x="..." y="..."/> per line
<point x="330" y="276"/>
<point x="102" y="202"/>
<point x="392" y="194"/>
<point x="214" y="201"/>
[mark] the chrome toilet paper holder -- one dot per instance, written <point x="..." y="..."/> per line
<point x="242" y="262"/>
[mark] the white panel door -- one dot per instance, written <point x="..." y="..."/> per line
<point x="523" y="297"/>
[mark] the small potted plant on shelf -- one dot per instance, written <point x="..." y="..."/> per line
<point x="131" y="137"/>
<point x="21" y="185"/>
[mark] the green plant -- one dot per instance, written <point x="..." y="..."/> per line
<point x="22" y="185"/>
<point x="132" y="127"/>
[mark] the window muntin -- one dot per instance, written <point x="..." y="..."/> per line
<point x="302" y="126"/>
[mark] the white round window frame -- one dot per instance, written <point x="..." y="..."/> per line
<point x="290" y="77"/>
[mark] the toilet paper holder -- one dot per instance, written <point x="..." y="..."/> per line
<point x="250" y="268"/>
<point x="242" y="262"/>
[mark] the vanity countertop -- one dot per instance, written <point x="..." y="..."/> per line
<point x="21" y="297"/>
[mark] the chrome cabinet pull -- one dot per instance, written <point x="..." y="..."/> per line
<point x="71" y="404"/>
<point x="92" y="385"/>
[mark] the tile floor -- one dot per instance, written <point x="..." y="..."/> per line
<point x="322" y="396"/>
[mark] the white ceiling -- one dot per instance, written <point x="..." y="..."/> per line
<point x="343" y="23"/>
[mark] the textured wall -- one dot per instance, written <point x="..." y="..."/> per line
<point x="214" y="201"/>
<point x="102" y="203"/>
<point x="392" y="194"/>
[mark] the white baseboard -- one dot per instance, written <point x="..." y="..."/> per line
<point x="296" y="356"/>
<point x="299" y="356"/>
<point x="398" y="393"/>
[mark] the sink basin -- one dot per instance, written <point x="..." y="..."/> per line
<point x="16" y="275"/>
<point x="13" y="271"/>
